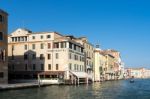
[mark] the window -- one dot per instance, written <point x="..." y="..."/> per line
<point x="70" y="56"/>
<point x="26" y="67"/>
<point x="57" y="67"/>
<point x="76" y="57"/>
<point x="80" y="68"/>
<point x="25" y="56"/>
<point x="41" y="56"/>
<point x="33" y="67"/>
<point x="82" y="50"/>
<point x="33" y="37"/>
<point x="86" y="54"/>
<point x="48" y="56"/>
<point x="77" y="67"/>
<point x="1" y="75"/>
<point x="1" y="18"/>
<point x="22" y="39"/>
<point x="83" y="59"/>
<point x="41" y="36"/>
<point x="70" y="45"/>
<point x="13" y="39"/>
<point x="70" y="66"/>
<point x="80" y="58"/>
<point x="25" y="47"/>
<point x="74" y="66"/>
<point x="25" y="38"/>
<point x="18" y="38"/>
<point x="63" y="44"/>
<point x="33" y="56"/>
<point x="49" y="45"/>
<point x="42" y="66"/>
<point x="56" y="45"/>
<point x="48" y="36"/>
<point x="33" y="46"/>
<point x="75" y="47"/>
<point x="42" y="46"/>
<point x="57" y="55"/>
<point x="1" y="36"/>
<point x="49" y="67"/>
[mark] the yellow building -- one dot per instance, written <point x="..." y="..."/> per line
<point x="3" y="46"/>
<point x="109" y="70"/>
<point x="118" y="65"/>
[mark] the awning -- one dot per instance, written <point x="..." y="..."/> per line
<point x="80" y="74"/>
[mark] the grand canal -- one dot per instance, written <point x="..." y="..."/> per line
<point x="121" y="89"/>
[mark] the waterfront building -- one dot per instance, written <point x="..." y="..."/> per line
<point x="135" y="72"/>
<point x="146" y="73"/>
<point x="99" y="66"/>
<point x="48" y="54"/>
<point x="3" y="46"/>
<point x="89" y="55"/>
<point x="110" y="73"/>
<point x="118" y="64"/>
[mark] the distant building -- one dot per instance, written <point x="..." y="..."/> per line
<point x="3" y="46"/>
<point x="135" y="72"/>
<point x="146" y="73"/>
<point x="48" y="54"/>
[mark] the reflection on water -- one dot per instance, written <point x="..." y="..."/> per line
<point x="122" y="89"/>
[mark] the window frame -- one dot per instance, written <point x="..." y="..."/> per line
<point x="48" y="36"/>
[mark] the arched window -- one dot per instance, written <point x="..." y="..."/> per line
<point x="1" y="18"/>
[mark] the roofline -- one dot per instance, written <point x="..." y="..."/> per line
<point x="36" y="32"/>
<point x="4" y="12"/>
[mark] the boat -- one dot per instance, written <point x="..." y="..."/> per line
<point x="131" y="81"/>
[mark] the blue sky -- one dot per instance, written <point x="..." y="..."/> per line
<point x="123" y="25"/>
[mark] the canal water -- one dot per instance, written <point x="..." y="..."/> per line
<point x="121" y="89"/>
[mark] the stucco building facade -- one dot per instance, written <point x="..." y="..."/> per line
<point x="48" y="54"/>
<point x="99" y="66"/>
<point x="3" y="47"/>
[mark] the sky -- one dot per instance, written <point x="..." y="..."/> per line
<point x="123" y="25"/>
